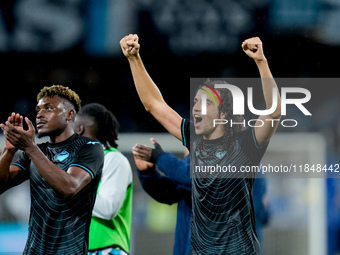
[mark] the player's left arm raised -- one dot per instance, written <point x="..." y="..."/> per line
<point x="253" y="48"/>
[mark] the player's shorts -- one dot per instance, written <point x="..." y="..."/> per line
<point x="109" y="251"/>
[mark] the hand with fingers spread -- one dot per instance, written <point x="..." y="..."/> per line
<point x="130" y="45"/>
<point x="16" y="136"/>
<point x="254" y="49"/>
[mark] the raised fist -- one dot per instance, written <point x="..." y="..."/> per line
<point x="130" y="45"/>
<point x="253" y="48"/>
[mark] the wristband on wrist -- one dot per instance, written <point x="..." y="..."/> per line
<point x="155" y="153"/>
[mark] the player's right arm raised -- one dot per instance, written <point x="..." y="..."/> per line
<point x="147" y="90"/>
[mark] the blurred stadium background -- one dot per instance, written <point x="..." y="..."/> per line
<point x="76" y="43"/>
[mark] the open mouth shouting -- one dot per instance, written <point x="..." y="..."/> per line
<point x="198" y="119"/>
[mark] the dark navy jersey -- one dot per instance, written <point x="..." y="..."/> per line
<point x="60" y="226"/>
<point x="223" y="220"/>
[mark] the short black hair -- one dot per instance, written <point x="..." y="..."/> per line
<point x="106" y="122"/>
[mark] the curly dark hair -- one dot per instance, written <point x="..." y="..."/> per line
<point x="106" y="122"/>
<point x="231" y="133"/>
<point x="63" y="92"/>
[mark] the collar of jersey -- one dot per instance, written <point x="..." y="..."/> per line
<point x="68" y="140"/>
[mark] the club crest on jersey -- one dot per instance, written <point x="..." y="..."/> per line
<point x="220" y="154"/>
<point x="62" y="156"/>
